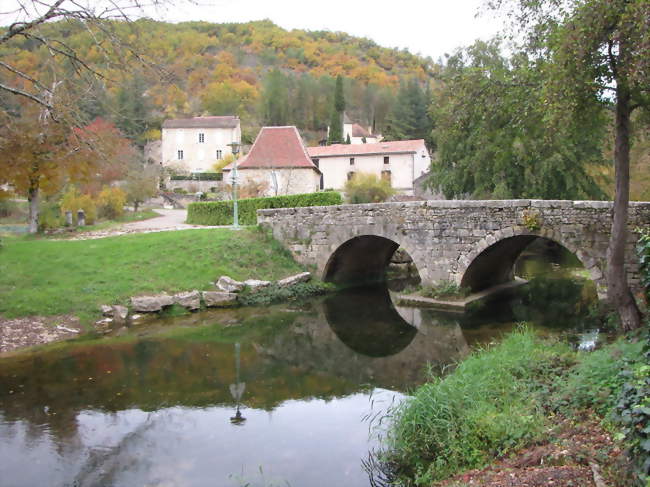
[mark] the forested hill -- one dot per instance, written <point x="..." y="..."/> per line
<point x="263" y="73"/>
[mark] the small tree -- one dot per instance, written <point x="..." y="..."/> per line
<point x="367" y="188"/>
<point x="141" y="184"/>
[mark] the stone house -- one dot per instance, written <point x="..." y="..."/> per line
<point x="400" y="162"/>
<point x="195" y="144"/>
<point x="278" y="162"/>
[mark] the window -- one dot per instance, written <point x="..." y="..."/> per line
<point x="386" y="159"/>
<point x="322" y="182"/>
<point x="351" y="161"/>
<point x="201" y="138"/>
<point x="180" y="155"/>
<point x="219" y="156"/>
<point x="350" y="175"/>
<point x="315" y="161"/>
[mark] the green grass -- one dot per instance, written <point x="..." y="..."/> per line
<point x="58" y="277"/>
<point x="481" y="410"/>
<point x="499" y="400"/>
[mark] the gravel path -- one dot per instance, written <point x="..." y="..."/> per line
<point x="169" y="220"/>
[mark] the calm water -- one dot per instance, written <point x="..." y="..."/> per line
<point x="276" y="396"/>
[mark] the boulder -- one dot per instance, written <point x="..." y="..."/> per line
<point x="151" y="304"/>
<point x="119" y="313"/>
<point x="229" y="285"/>
<point x="106" y="310"/>
<point x="255" y="284"/>
<point x="291" y="280"/>
<point x="217" y="299"/>
<point x="190" y="300"/>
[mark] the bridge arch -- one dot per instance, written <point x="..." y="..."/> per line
<point x="363" y="258"/>
<point x="493" y="258"/>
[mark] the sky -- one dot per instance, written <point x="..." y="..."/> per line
<point x="426" y="27"/>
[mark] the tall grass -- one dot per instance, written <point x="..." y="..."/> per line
<point x="485" y="408"/>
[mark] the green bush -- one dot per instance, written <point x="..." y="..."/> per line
<point x="643" y="249"/>
<point x="445" y="289"/>
<point x="110" y="203"/>
<point x="220" y="212"/>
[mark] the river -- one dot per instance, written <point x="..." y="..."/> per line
<point x="290" y="394"/>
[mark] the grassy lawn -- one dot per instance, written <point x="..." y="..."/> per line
<point x="48" y="277"/>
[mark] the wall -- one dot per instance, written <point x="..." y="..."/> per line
<point x="290" y="181"/>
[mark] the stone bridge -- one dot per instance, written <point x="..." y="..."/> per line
<point x="474" y="243"/>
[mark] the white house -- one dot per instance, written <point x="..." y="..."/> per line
<point x="357" y="133"/>
<point x="278" y="161"/>
<point x="400" y="162"/>
<point x="197" y="143"/>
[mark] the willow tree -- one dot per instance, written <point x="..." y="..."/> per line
<point x="599" y="53"/>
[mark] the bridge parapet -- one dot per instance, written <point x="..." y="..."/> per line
<point x="460" y="240"/>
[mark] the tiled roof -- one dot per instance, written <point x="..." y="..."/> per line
<point x="359" y="131"/>
<point x="276" y="147"/>
<point x="395" y="147"/>
<point x="228" y="121"/>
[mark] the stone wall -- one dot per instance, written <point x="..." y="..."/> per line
<point x="448" y="238"/>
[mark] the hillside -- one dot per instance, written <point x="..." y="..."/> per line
<point x="258" y="70"/>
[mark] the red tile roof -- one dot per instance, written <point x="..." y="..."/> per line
<point x="276" y="147"/>
<point x="395" y="147"/>
<point x="228" y="121"/>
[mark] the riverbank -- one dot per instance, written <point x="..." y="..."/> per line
<point x="525" y="412"/>
<point x="63" y="283"/>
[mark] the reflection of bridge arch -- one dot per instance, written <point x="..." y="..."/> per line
<point x="492" y="260"/>
<point x="363" y="258"/>
<point x="383" y="333"/>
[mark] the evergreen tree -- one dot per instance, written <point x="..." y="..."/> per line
<point x="408" y="118"/>
<point x="336" y="119"/>
<point x="132" y="108"/>
<point x="275" y="99"/>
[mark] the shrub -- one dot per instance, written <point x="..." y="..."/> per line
<point x="73" y="201"/>
<point x="367" y="188"/>
<point x="481" y="410"/>
<point x="110" y="203"/>
<point x="445" y="289"/>
<point x="49" y="217"/>
<point x="220" y="212"/>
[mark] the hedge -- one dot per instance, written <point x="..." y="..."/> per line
<point x="220" y="212"/>
<point x="197" y="176"/>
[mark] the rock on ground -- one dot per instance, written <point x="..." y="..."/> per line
<point x="151" y="304"/>
<point x="190" y="300"/>
<point x="216" y="299"/>
<point x="229" y="285"/>
<point x="295" y="279"/>
<point x="255" y="284"/>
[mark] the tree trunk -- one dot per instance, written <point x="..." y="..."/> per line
<point x="618" y="290"/>
<point x="136" y="203"/>
<point x="33" y="198"/>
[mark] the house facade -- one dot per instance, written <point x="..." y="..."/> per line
<point x="278" y="162"/>
<point x="197" y="143"/>
<point x="400" y="162"/>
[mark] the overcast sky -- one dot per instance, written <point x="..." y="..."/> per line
<point x="428" y="27"/>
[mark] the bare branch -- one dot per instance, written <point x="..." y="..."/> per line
<point x="21" y="27"/>
<point x="26" y="94"/>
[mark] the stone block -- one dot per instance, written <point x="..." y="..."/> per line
<point x="151" y="304"/>
<point x="217" y="299"/>
<point x="189" y="300"/>
<point x="120" y="313"/>
<point x="295" y="279"/>
<point x="229" y="285"/>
